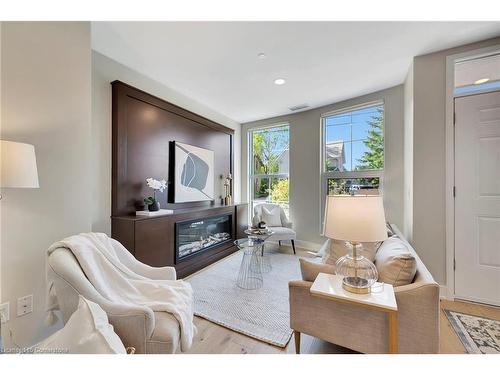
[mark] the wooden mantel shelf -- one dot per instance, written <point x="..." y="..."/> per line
<point x="180" y="211"/>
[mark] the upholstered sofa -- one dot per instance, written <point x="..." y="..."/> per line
<point x="137" y="326"/>
<point x="365" y="330"/>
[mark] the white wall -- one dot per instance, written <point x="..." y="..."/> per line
<point x="0" y="154"/>
<point x="408" y="156"/>
<point x="45" y="100"/>
<point x="429" y="153"/>
<point x="305" y="162"/>
<point x="105" y="71"/>
<point x="56" y="94"/>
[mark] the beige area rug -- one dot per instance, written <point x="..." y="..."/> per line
<point x="262" y="313"/>
<point x="477" y="334"/>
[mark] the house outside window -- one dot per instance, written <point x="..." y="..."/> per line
<point x="269" y="166"/>
<point x="352" y="161"/>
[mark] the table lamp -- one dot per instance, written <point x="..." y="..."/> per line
<point x="355" y="219"/>
<point x="18" y="165"/>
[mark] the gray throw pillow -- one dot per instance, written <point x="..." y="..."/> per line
<point x="339" y="248"/>
<point x="395" y="264"/>
<point x="310" y="270"/>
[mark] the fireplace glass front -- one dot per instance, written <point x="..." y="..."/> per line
<point x="195" y="236"/>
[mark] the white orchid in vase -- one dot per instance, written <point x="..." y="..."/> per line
<point x="160" y="185"/>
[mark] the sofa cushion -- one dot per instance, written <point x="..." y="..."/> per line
<point x="282" y="233"/>
<point x="87" y="332"/>
<point x="339" y="248"/>
<point x="395" y="264"/>
<point x="311" y="269"/>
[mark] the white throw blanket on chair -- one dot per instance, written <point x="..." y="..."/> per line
<point x="98" y="258"/>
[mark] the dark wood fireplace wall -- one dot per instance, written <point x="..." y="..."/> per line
<point x="143" y="126"/>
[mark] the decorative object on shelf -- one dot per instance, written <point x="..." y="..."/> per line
<point x="18" y="165"/>
<point x="355" y="219"/>
<point x="151" y="202"/>
<point x="192" y="171"/>
<point x="160" y="212"/>
<point x="228" y="199"/>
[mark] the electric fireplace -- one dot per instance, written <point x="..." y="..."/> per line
<point x="195" y="236"/>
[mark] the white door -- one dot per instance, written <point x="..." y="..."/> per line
<point x="477" y="200"/>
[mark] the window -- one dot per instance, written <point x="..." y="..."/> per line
<point x="269" y="162"/>
<point x="353" y="151"/>
<point x="477" y="74"/>
<point x="475" y="88"/>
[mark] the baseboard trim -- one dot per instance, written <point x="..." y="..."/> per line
<point x="444" y="293"/>
<point x="306" y="245"/>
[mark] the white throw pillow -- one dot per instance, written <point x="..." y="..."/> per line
<point x="87" y="332"/>
<point x="271" y="217"/>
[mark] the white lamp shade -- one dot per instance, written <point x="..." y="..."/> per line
<point x="355" y="218"/>
<point x="18" y="163"/>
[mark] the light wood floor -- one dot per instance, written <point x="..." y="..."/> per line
<point x="215" y="339"/>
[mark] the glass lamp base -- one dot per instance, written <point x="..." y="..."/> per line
<point x="356" y="285"/>
<point x="358" y="272"/>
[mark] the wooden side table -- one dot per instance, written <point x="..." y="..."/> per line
<point x="330" y="287"/>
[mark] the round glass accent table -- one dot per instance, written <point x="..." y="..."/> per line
<point x="259" y="237"/>
<point x="250" y="273"/>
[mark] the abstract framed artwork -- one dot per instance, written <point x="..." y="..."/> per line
<point x="193" y="173"/>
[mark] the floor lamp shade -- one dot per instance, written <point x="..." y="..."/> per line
<point x="18" y="163"/>
<point x="355" y="218"/>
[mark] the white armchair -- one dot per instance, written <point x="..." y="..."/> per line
<point x="137" y="326"/>
<point x="281" y="233"/>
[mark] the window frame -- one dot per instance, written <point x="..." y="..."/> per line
<point x="325" y="175"/>
<point x="251" y="176"/>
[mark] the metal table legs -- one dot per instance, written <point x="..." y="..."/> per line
<point x="250" y="273"/>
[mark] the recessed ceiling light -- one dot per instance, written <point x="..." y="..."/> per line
<point x="262" y="55"/>
<point x="482" y="80"/>
<point x="279" y="81"/>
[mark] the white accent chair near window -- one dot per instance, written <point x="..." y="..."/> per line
<point x="276" y="220"/>
<point x="137" y="326"/>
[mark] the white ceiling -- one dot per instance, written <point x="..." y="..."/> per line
<point x="216" y="63"/>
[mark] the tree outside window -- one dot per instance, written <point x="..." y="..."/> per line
<point x="354" y="150"/>
<point x="270" y="165"/>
